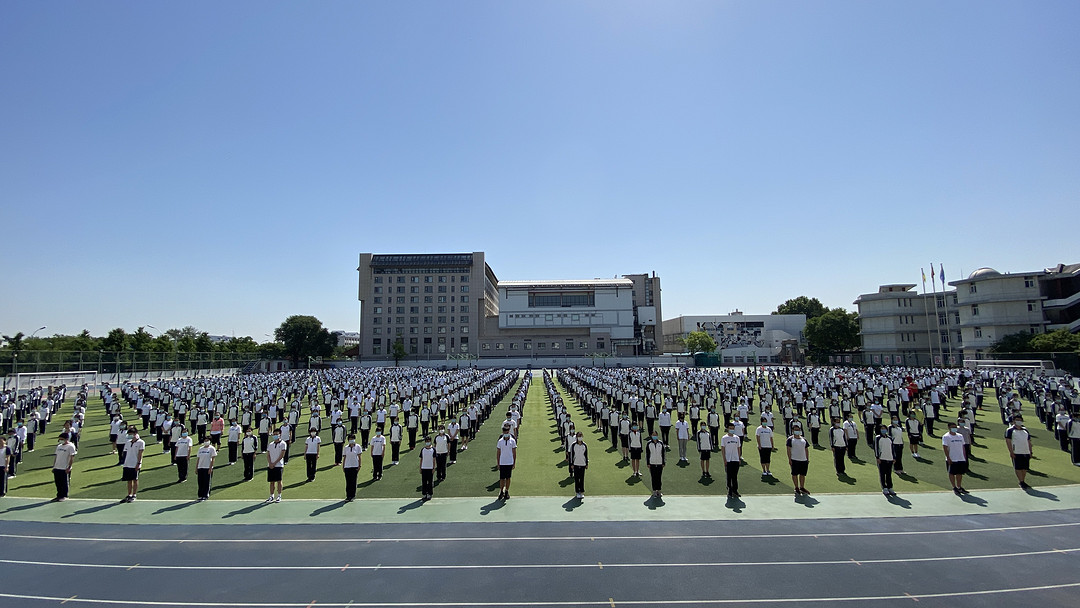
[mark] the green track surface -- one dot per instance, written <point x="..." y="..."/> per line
<point x="541" y="470"/>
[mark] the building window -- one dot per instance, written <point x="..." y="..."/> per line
<point x="414" y="310"/>
<point x="513" y="346"/>
<point x="442" y="279"/>
<point x="414" y="289"/>
<point x="583" y="345"/>
<point x="464" y="309"/>
<point x="376" y="331"/>
<point x="499" y="346"/>
<point x="554" y="346"/>
<point x="378" y="300"/>
<point x="464" y="289"/>
<point x="464" y="278"/>
<point x="972" y="288"/>
<point x="944" y="336"/>
<point x="442" y="329"/>
<point x="1031" y="306"/>
<point x="427" y="289"/>
<point x="414" y="279"/>
<point x="569" y="345"/>
<point x="378" y="310"/>
<point x="1034" y="329"/>
<point x="600" y="345"/>
<point x="442" y="288"/>
<point x="978" y="332"/>
<point x="376" y="350"/>
<point x="463" y="299"/>
<point x="442" y="299"/>
<point x="427" y="279"/>
<point x="414" y="299"/>
<point x="427" y="330"/>
<point x="587" y="298"/>
<point x="427" y="319"/>
<point x="378" y="280"/>
<point x="1029" y="282"/>
<point x="377" y="290"/>
<point x="377" y="320"/>
<point x="485" y="346"/>
<point x="974" y="310"/>
<point x="464" y="329"/>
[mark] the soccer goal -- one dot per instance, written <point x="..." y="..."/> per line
<point x="1008" y="364"/>
<point x="31" y="380"/>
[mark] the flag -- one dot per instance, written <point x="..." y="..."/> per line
<point x="932" y="276"/>
<point x="923" y="271"/>
<point x="942" y="267"/>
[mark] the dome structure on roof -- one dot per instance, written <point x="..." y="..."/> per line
<point x="983" y="273"/>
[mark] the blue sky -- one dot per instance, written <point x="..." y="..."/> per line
<point x="223" y="164"/>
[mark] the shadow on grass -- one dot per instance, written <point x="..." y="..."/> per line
<point x="35" y="485"/>
<point x="977" y="476"/>
<point x="1037" y="474"/>
<point x="491" y="487"/>
<point x="908" y="478"/>
<point x="246" y="510"/>
<point x="633" y="480"/>
<point x="622" y="464"/>
<point x="705" y="481"/>
<point x="845" y="478"/>
<point x="328" y="508"/>
<point x="565" y="482"/>
<point x="557" y="450"/>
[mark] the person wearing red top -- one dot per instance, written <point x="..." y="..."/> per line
<point x="217" y="426"/>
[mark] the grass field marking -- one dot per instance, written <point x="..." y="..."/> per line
<point x="829" y="562"/>
<point x="668" y="602"/>
<point x="465" y="539"/>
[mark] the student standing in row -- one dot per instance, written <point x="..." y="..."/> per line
<point x="427" y="470"/>
<point x="655" y="455"/>
<point x="705" y="446"/>
<point x="883" y="451"/>
<point x="955" y="459"/>
<point x="838" y="443"/>
<point x="378" y="451"/>
<point x="1018" y="440"/>
<point x="65" y="457"/>
<point x="506" y="458"/>
<point x="764" y="436"/>
<point x="798" y="453"/>
<point x="350" y="464"/>
<point x="248" y="447"/>
<point x="204" y="467"/>
<point x="731" y="449"/>
<point x="578" y="457"/>
<point x="311" y="453"/>
<point x="133" y="455"/>
<point x="275" y="465"/>
<point x="183" y="453"/>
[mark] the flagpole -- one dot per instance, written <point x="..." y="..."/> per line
<point x="945" y="299"/>
<point x="937" y="317"/>
<point x="926" y="313"/>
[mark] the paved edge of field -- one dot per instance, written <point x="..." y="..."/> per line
<point x="538" y="509"/>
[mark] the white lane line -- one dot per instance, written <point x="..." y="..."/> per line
<point x="665" y="601"/>
<point x="830" y="562"/>
<point x="469" y="539"/>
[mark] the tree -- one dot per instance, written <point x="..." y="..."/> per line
<point x="698" y="342"/>
<point x="117" y="340"/>
<point x="1020" y="342"/>
<point x="304" y="336"/>
<point x="15" y="342"/>
<point x="203" y="343"/>
<point x="802" y="305"/>
<point x="1060" y="341"/>
<point x="141" y="340"/>
<point x="833" y="332"/>
<point x="398" y="351"/>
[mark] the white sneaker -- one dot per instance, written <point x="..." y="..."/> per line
<point x="278" y="499"/>
<point x="271" y="499"/>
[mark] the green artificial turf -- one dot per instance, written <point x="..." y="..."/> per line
<point x="541" y="469"/>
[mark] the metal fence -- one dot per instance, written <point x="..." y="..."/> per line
<point x="119" y="364"/>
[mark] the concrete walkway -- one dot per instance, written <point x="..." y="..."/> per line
<point x="539" y="509"/>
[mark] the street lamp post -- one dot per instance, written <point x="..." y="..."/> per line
<point x="37" y="330"/>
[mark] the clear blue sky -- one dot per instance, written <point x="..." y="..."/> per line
<point x="221" y="164"/>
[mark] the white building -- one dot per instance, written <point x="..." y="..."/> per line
<point x="740" y="338"/>
<point x="994" y="305"/>
<point x="346" y="339"/>
<point x="899" y="326"/>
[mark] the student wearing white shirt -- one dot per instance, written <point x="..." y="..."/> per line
<point x="838" y="443"/>
<point x="705" y="446"/>
<point x="441" y="444"/>
<point x="65" y="457"/>
<point x="1018" y="440"/>
<point x="204" y="467"/>
<point x="378" y="451"/>
<point x="337" y="436"/>
<point x="578" y="459"/>
<point x="883" y="452"/>
<point x="955" y="458"/>
<point x="798" y="453"/>
<point x="427" y="470"/>
<point x="276" y="452"/>
<point x="764" y="437"/>
<point x="183" y="453"/>
<point x="731" y="450"/>
<point x="636" y="448"/>
<point x="350" y="464"/>
<point x="506" y="459"/>
<point x="234" y="441"/>
<point x="655" y="455"/>
<point x="311" y="453"/>
<point x="682" y="435"/>
<point x="453" y="432"/>
<point x="665" y="427"/>
<point x="249" y="446"/>
<point x="133" y="456"/>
